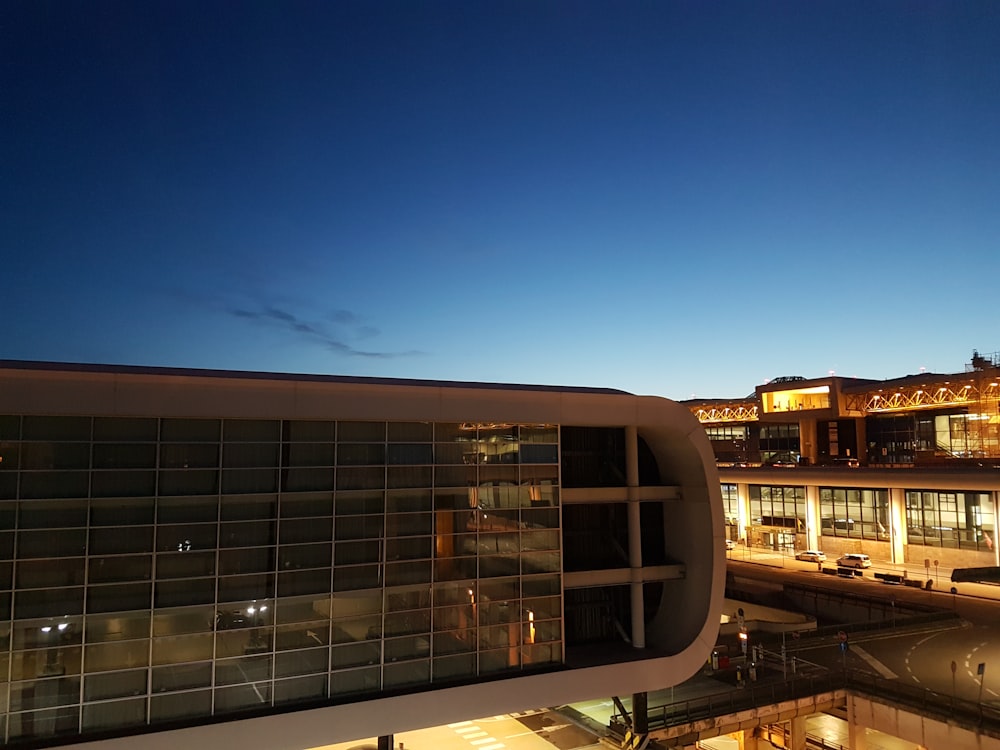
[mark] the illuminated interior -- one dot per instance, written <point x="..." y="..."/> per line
<point x="796" y="399"/>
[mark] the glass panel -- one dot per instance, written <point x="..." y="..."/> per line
<point x="120" y="569"/>
<point x="184" y="648"/>
<point x="361" y="454"/>
<point x="118" y="627"/>
<point x="186" y="538"/>
<point x="117" y="541"/>
<point x="248" y="560"/>
<point x="248" y="508"/>
<point x="52" y="484"/>
<point x="135" y="429"/>
<point x="185" y="564"/>
<point x="309" y="431"/>
<point x="410" y="432"/>
<point x="118" y="598"/>
<point x="182" y="677"/>
<point x="181" y="621"/>
<point x="187" y="509"/>
<point x="99" y="687"/>
<point x="355" y="681"/>
<point x="124" y="512"/>
<point x="100" y="716"/>
<point x="184" y="592"/>
<point x="293" y="531"/>
<point x="249" y="481"/>
<point x="409" y="673"/>
<point x="189" y="482"/>
<point x="309" y="454"/>
<point x="247" y="533"/>
<point x="293" y="663"/>
<point x="361" y="432"/>
<point x="249" y="455"/>
<point x="247" y="669"/>
<point x="48" y="603"/>
<point x="173" y="706"/>
<point x="193" y="430"/>
<point x="106" y="657"/>
<point x="300" y="690"/>
<point x="251" y="430"/>
<point x="305" y="556"/>
<point x="302" y="635"/>
<point x="36" y="574"/>
<point x="124" y="456"/>
<point x="306" y="505"/>
<point x="242" y="698"/>
<point x="304" y="480"/>
<point x="303" y="609"/>
<point x="56" y="428"/>
<point x="356" y="655"/>
<point x="55" y="455"/>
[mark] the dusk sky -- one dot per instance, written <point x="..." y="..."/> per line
<point x="671" y="198"/>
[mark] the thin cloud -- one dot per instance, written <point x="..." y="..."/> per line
<point x="319" y="333"/>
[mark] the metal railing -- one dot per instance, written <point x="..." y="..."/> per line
<point x="974" y="715"/>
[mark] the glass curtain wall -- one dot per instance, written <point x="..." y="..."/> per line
<point x="854" y="512"/>
<point x="731" y="505"/>
<point x="166" y="569"/>
<point x="778" y="507"/>
<point x="964" y="520"/>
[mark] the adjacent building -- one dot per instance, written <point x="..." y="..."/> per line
<point x="285" y="561"/>
<point x="905" y="470"/>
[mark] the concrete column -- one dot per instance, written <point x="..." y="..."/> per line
<point x="640" y="713"/>
<point x="743" y="509"/>
<point x="862" y="435"/>
<point x="996" y="527"/>
<point x="897" y="525"/>
<point x="856" y="738"/>
<point x="634" y="537"/>
<point x="813" y="522"/>
<point x="797" y="738"/>
<point x="807" y="439"/>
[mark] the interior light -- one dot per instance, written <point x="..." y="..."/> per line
<point x="46" y="628"/>
<point x="63" y="625"/>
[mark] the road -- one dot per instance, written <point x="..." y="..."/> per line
<point x="530" y="730"/>
<point x="923" y="657"/>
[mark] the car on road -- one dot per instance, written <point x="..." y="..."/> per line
<point x="730" y="544"/>
<point x="854" y="560"/>
<point x="810" y="555"/>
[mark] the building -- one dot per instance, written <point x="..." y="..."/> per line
<point x="904" y="470"/>
<point x="233" y="559"/>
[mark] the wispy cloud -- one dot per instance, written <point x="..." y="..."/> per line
<point x="334" y="333"/>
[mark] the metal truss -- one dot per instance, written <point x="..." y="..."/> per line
<point x="923" y="397"/>
<point x="744" y="411"/>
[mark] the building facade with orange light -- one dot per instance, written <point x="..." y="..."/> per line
<point x="229" y="559"/>
<point x="904" y="470"/>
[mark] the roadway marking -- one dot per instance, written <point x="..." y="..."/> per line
<point x="469" y="731"/>
<point x="879" y="667"/>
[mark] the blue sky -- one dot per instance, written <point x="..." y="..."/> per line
<point x="672" y="198"/>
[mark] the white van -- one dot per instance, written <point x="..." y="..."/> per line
<point x="854" y="560"/>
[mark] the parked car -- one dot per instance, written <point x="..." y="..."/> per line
<point x="853" y="560"/>
<point x="810" y="555"/>
<point x="730" y="544"/>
